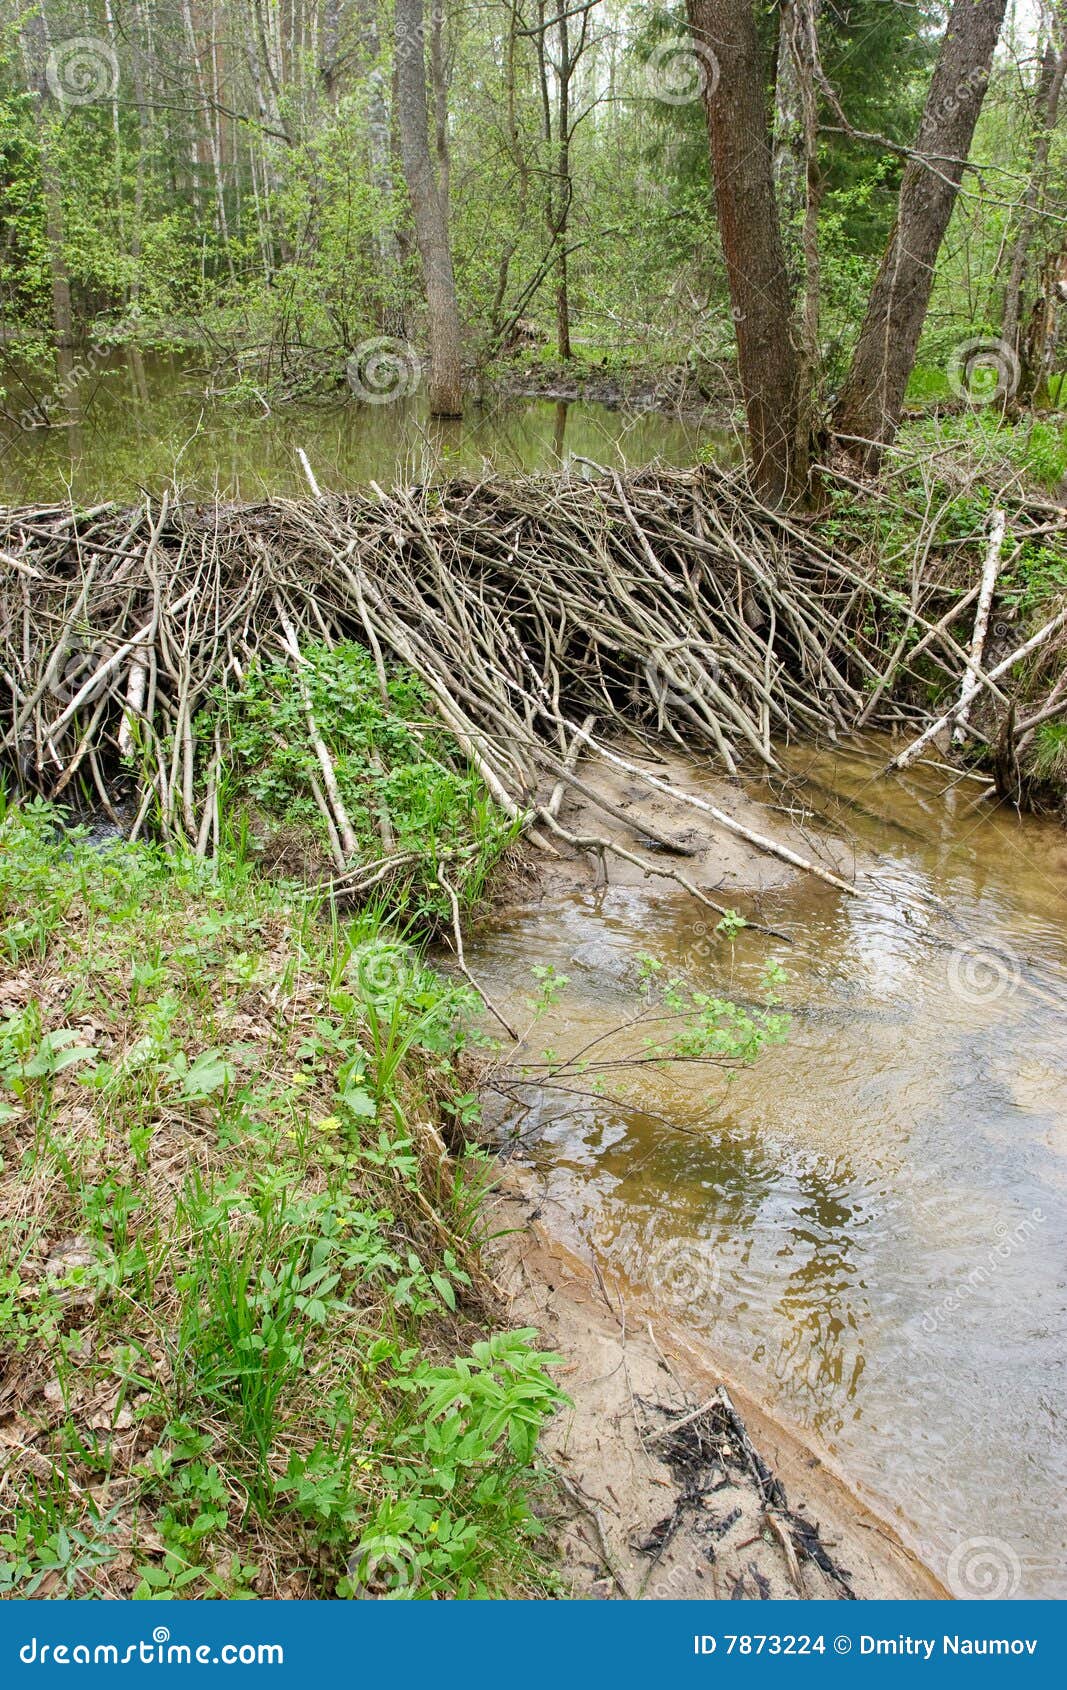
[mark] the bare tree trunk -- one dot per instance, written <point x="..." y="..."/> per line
<point x="208" y="134"/>
<point x="563" y="188"/>
<point x="1049" y="91"/>
<point x="439" y="83"/>
<point x="789" y="172"/>
<point x="797" y="189"/>
<point x="871" y="401"/>
<point x="35" y="44"/>
<point x="741" y="154"/>
<point x="431" y="226"/>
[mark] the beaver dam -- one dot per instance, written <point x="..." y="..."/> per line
<point x="542" y="615"/>
<point x="737" y="746"/>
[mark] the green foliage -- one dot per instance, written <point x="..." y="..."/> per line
<point x="1048" y="755"/>
<point x="399" y="774"/>
<point x="264" y="1308"/>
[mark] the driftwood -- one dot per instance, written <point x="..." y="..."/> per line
<point x="534" y="610"/>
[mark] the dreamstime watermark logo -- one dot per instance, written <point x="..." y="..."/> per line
<point x="383" y="370"/>
<point x="1009" y="1241"/>
<point x="681" y="70"/>
<point x="684" y="672"/>
<point x="382" y="1569"/>
<point x="155" y="1651"/>
<point x="686" y="1271"/>
<point x="82" y="70"/>
<point x="973" y="83"/>
<point x="983" y="371"/>
<point x="983" y="1569"/>
<point x="382" y="969"/>
<point x="984" y="972"/>
<point x="67" y="674"/>
<point x="39" y="414"/>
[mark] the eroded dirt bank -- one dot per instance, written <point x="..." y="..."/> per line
<point x="681" y="1488"/>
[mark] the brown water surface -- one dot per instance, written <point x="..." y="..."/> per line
<point x="869" y="1226"/>
<point x="132" y="423"/>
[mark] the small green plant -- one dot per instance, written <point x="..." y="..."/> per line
<point x="406" y="790"/>
<point x="1048" y="754"/>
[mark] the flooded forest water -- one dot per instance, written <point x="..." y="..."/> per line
<point x="131" y="426"/>
<point x="868" y="1226"/>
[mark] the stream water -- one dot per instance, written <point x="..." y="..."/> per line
<point x="868" y="1226"/>
<point x="134" y="423"/>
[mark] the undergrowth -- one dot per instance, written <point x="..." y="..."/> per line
<point x="247" y="1344"/>
<point x="407" y="789"/>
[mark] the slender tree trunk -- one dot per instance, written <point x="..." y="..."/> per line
<point x="35" y="45"/>
<point x="563" y="189"/>
<point x="797" y="188"/>
<point x="789" y="187"/>
<point x="871" y="401"/>
<point x="208" y="134"/>
<point x="1049" y="91"/>
<point x="431" y="226"/>
<point x="439" y="83"/>
<point x="741" y="153"/>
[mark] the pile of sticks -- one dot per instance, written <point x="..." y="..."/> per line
<point x="544" y="616"/>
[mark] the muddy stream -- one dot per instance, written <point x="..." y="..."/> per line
<point x="868" y="1226"/>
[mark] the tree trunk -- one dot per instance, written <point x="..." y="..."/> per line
<point x="563" y="190"/>
<point x="431" y="225"/>
<point x="739" y="135"/>
<point x="35" y="45"/>
<point x="871" y="401"/>
<point x="1049" y="90"/>
<point x="797" y="189"/>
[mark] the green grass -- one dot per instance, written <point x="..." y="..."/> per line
<point x="247" y="1340"/>
<point x="1031" y="445"/>
<point x="1048" y="755"/>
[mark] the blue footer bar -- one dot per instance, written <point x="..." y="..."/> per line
<point x="540" y="1645"/>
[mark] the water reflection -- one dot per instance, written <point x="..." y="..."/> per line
<point x="870" y="1225"/>
<point x="124" y="422"/>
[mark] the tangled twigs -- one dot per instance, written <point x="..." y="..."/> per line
<point x="532" y="610"/>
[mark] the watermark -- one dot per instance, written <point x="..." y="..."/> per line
<point x="983" y="371"/>
<point x="1009" y="1242"/>
<point x="383" y="370"/>
<point x="966" y="88"/>
<point x="682" y="673"/>
<point x="984" y="972"/>
<point x="155" y="1651"/>
<point x="681" y="70"/>
<point x="382" y="1569"/>
<point x="382" y="969"/>
<point x="39" y="414"/>
<point x="82" y="70"/>
<point x="983" y="1569"/>
<point x="686" y="1271"/>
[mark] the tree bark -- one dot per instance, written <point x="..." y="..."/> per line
<point x="872" y="398"/>
<point x="739" y="136"/>
<point x="431" y="224"/>
<point x="1049" y="89"/>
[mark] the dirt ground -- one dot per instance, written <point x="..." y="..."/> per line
<point x="679" y="1487"/>
<point x="650" y="819"/>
